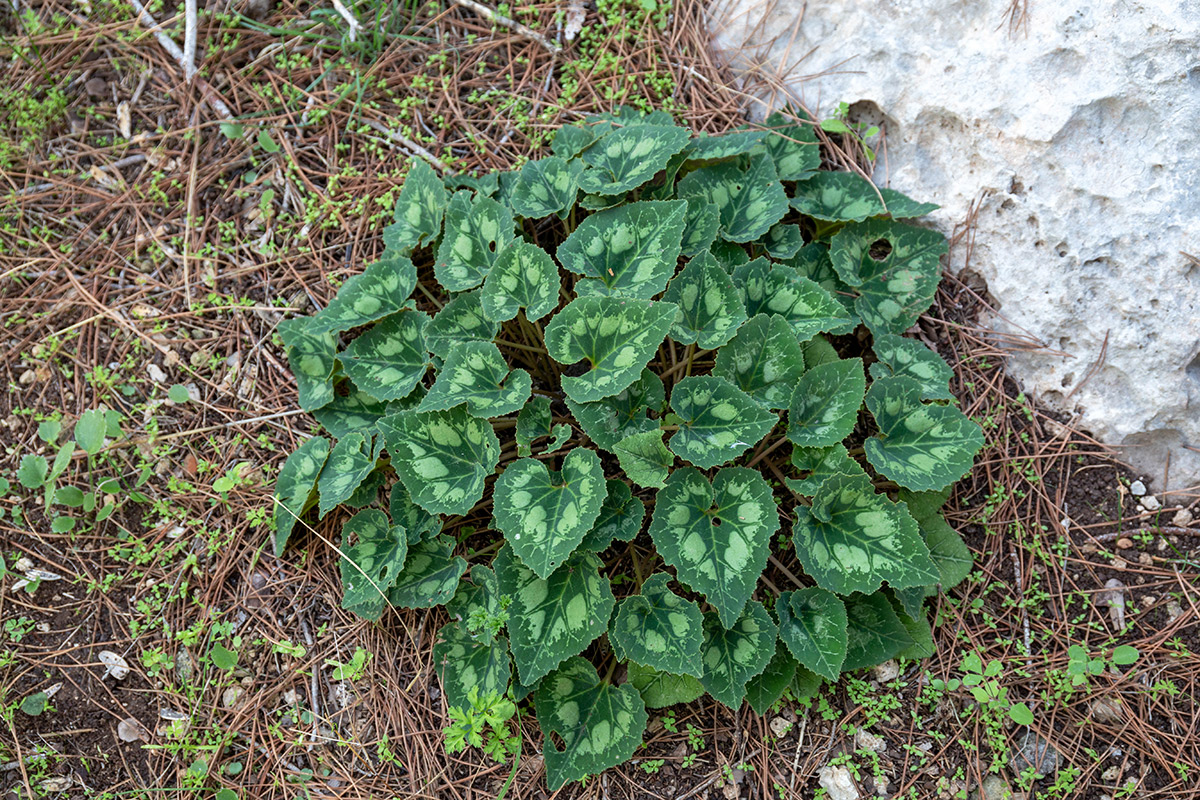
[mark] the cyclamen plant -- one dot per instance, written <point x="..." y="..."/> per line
<point x="532" y="365"/>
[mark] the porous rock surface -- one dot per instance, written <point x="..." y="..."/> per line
<point x="1073" y="129"/>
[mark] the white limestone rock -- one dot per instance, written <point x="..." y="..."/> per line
<point x="1074" y="130"/>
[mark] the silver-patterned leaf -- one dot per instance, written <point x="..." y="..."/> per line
<point x="388" y="360"/>
<point x="546" y="187"/>
<point x="764" y="360"/>
<point x="778" y="290"/>
<point x="463" y="664"/>
<point x="461" y="320"/>
<point x="644" y="458"/>
<point x="837" y="197"/>
<point x="475" y="237"/>
<point x="430" y="575"/>
<point x="611" y="419"/>
<point x="912" y="359"/>
<point x="625" y="158"/>
<point x="793" y="147"/>
<point x="733" y="655"/>
<point x="372" y="563"/>
<point x="710" y="309"/>
<point x="476" y="374"/>
<point x="659" y="629"/>
<point x="382" y="289"/>
<point x="718" y="421"/>
<point x="620" y="519"/>
<point x="352" y="459"/>
<point x="746" y="192"/>
<point x="418" y="211"/>
<point x="311" y="357"/>
<point x="812" y="623"/>
<point x="294" y="487"/>
<point x="826" y="402"/>
<point x="629" y="252"/>
<point x="523" y="277"/>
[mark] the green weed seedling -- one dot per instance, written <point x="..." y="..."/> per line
<point x="641" y="318"/>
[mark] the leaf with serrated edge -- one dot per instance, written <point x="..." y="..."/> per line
<point x="620" y="519"/>
<point x="296" y="482"/>
<point x="716" y="535"/>
<point x="896" y="289"/>
<point x="372" y="564"/>
<point x="794" y="148"/>
<point x="570" y="140"/>
<point x="731" y="657"/>
<point x="764" y="360"/>
<point x="553" y="619"/>
<point x="311" y="357"/>
<point x="349" y="464"/>
<point x="821" y="463"/>
<point x="645" y="459"/>
<point x="778" y="290"/>
<point x="700" y="224"/>
<point x="381" y="290"/>
<point x="616" y="337"/>
<point x="710" y="148"/>
<point x="387" y="361"/>
<point x="719" y="421"/>
<point x="546" y="187"/>
<point x="812" y="623"/>
<point x="600" y="725"/>
<point x="460" y="320"/>
<point x="356" y="412"/>
<point x="626" y="158"/>
<point x="463" y="664"/>
<point x="783" y="241"/>
<point x="661" y="689"/>
<point x="418" y="522"/>
<point x="837" y="197"/>
<point x="710" y="309"/>
<point x="472" y="243"/>
<point x="875" y="632"/>
<point x="543" y="515"/>
<point x="746" y="192"/>
<point x="629" y="252"/>
<point x="476" y="374"/>
<point x="825" y="404"/>
<point x="611" y="419"/>
<point x="443" y="457"/>
<point x="901" y="206"/>
<point x="430" y="575"/>
<point x="920" y="446"/>
<point x="659" y="629"/>
<point x="523" y="277"/>
<point x="852" y="539"/>
<point x="418" y="211"/>
<point x="912" y="359"/>
<point x="767" y="687"/>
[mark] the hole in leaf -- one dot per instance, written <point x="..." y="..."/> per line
<point x="716" y="522"/>
<point x="880" y="249"/>
<point x="557" y="741"/>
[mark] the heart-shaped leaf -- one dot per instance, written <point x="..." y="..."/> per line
<point x="311" y="357"/>
<point x="625" y="158"/>
<point x="895" y="269"/>
<point x="387" y="361"/>
<point x="718" y="423"/>
<point x="875" y="632"/>
<point x="546" y="187"/>
<point x="616" y="337"/>
<point x="544" y="515"/>
<point x="601" y="725"/>
<point x="659" y="629"/>
<point x="372" y="564"/>
<point x="352" y="459"/>
<point x="812" y="623"/>
<point x="430" y="575"/>
<point x="852" y="539"/>
<point x="629" y="252"/>
<point x="820" y="464"/>
<point x="716" y="535"/>
<point x="418" y="211"/>
<point x="746" y="192"/>
<point x="778" y="290"/>
<point x="295" y="485"/>
<point x="620" y="519"/>
<point x="920" y="446"/>
<point x="837" y="197"/>
<point x="645" y="459"/>
<point x="461" y="320"/>
<point x="825" y="403"/>
<point x="661" y="689"/>
<point x="443" y="457"/>
<point x="764" y="360"/>
<point x="710" y="309"/>
<point x="783" y="241"/>
<point x="476" y="374"/>
<point x="733" y="656"/>
<point x="711" y="148"/>
<point x="813" y="262"/>
<point x="418" y="522"/>
<point x="767" y="687"/>
<point x="901" y="206"/>
<point x="523" y="277"/>
<point x="356" y="412"/>
<point x="475" y="237"/>
<point x="553" y="619"/>
<point x="571" y="140"/>
<point x="612" y="419"/>
<point x="793" y="147"/>
<point x="463" y="664"/>
<point x="909" y="358"/>
<point x="700" y="224"/>
<point x="382" y="289"/>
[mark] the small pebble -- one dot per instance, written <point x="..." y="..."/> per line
<point x="1137" y="488"/>
<point x="1124" y="543"/>
<point x="1150" y="503"/>
<point x="887" y="671"/>
<point x="1119" y="563"/>
<point x="780" y="727"/>
<point x="1174" y="610"/>
<point x="1183" y="517"/>
<point x="1145" y="559"/>
<point x="869" y="741"/>
<point x="156" y="373"/>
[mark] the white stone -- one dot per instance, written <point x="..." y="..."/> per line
<point x="1150" y="503"/>
<point x="869" y="741"/>
<point x="1071" y="134"/>
<point x="1183" y="518"/>
<point x="887" y="671"/>
<point x="838" y="782"/>
<point x="1137" y="488"/>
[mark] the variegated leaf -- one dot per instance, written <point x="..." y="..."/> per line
<point x="659" y="629"/>
<point x="461" y="320"/>
<point x="825" y="403"/>
<point x="382" y="289"/>
<point x="710" y="309"/>
<point x="764" y="360"/>
<point x="625" y="158"/>
<point x="352" y="459"/>
<point x="294" y="486"/>
<point x="418" y="211"/>
<point x="746" y="192"/>
<point x="620" y="519"/>
<point x="388" y="360"/>
<point x="463" y="664"/>
<point x="901" y="206"/>
<point x="778" y="290"/>
<point x="430" y="575"/>
<point x="837" y="197"/>
<point x="629" y="252"/>
<point x="476" y="374"/>
<point x="793" y="147"/>
<point x="571" y="140"/>
<point x="546" y="187"/>
<point x="700" y="223"/>
<point x="718" y="421"/>
<point x="611" y="419"/>
<point x="523" y="277"/>
<point x="946" y="547"/>
<point x="912" y="359"/>
<point x="475" y="237"/>
<point x="311" y="357"/>
<point x="728" y="145"/>
<point x="372" y="563"/>
<point x="416" y="521"/>
<point x="783" y="241"/>
<point x="812" y="623"/>
<point x="733" y="655"/>
<point x="820" y="464"/>
<point x="355" y="412"/>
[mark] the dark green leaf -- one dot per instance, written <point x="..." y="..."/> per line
<point x="910" y="358"/>
<point x="351" y="460"/>
<point x="418" y="211"/>
<point x="570" y="140"/>
<point x="382" y="289"/>
<point x="416" y="521"/>
<point x="837" y="197"/>
<point x="875" y="633"/>
<point x="475" y="237"/>
<point x="793" y="146"/>
<point x="356" y="412"/>
<point x="644" y="458"/>
<point x="710" y="148"/>
<point x="462" y="320"/>
<point x="371" y="565"/>
<point x="821" y="463"/>
<point x="612" y="419"/>
<point x="620" y="519"/>
<point x="463" y="664"/>
<point x="430" y="575"/>
<point x="764" y="360"/>
<point x="746" y="192"/>
<point x="767" y="687"/>
<point x="719" y="421"/>
<point x="311" y="357"/>
<point x="901" y="206"/>
<point x="662" y="689"/>
<point x="523" y="277"/>
<point x="625" y="158"/>
<point x="546" y="187"/>
<point x="659" y="629"/>
<point x="700" y="224"/>
<point x="732" y="657"/>
<point x="476" y="374"/>
<point x="387" y="361"/>
<point x="296" y="482"/>
<point x="826" y="402"/>
<point x="812" y="623"/>
<point x="629" y="252"/>
<point x="533" y="422"/>
<point x="710" y="309"/>
<point x="778" y="290"/>
<point x="783" y="241"/>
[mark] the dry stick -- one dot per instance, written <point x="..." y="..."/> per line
<point x="351" y="20"/>
<point x="189" y="40"/>
<point x="511" y="24"/>
<point x="408" y="144"/>
<point x="210" y="94"/>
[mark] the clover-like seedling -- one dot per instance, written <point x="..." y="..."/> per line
<point x="647" y="356"/>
